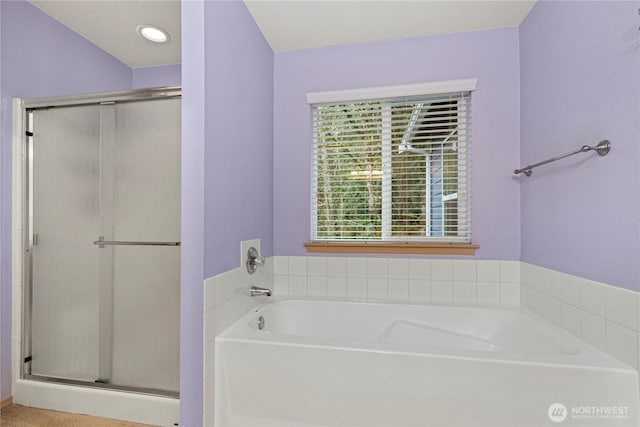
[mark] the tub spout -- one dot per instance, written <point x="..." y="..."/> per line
<point x="257" y="291"/>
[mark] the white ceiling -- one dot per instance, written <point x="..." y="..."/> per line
<point x="112" y="25"/>
<point x="303" y="24"/>
<point x="287" y="25"/>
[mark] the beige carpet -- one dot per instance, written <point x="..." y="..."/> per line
<point x="22" y="416"/>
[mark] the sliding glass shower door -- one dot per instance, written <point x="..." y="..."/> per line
<point x="104" y="215"/>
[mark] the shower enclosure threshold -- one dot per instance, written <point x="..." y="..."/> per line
<point x="97" y="401"/>
<point x="104" y="385"/>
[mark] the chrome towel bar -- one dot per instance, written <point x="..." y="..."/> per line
<point x="101" y="243"/>
<point x="602" y="149"/>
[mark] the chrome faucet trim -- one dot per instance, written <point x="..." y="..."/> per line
<point x="254" y="260"/>
<point x="257" y="291"/>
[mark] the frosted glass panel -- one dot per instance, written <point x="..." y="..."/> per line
<point x="146" y="344"/>
<point x="147" y="170"/>
<point x="107" y="314"/>
<point x="146" y="207"/>
<point x="65" y="262"/>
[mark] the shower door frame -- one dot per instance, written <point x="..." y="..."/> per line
<point x="23" y="236"/>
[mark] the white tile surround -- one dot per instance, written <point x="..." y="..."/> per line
<point x="604" y="316"/>
<point x="399" y="279"/>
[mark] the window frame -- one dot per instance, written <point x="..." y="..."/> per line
<point x="387" y="244"/>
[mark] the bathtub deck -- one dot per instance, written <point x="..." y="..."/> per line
<point x="22" y="416"/>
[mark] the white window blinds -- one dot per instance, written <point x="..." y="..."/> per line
<point x="392" y="169"/>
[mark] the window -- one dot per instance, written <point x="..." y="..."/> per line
<point x="392" y="168"/>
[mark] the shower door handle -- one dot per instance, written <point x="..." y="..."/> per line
<point x="101" y="243"/>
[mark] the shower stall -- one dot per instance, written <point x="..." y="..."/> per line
<point x="101" y="241"/>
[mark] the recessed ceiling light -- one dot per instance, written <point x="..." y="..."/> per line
<point x="153" y="34"/>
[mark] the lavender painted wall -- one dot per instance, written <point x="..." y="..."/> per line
<point x="192" y="214"/>
<point x="580" y="83"/>
<point x="239" y="135"/>
<point x="40" y="57"/>
<point x="163" y="75"/>
<point x="491" y="56"/>
<point x="227" y="161"/>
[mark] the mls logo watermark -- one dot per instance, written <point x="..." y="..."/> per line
<point x="557" y="412"/>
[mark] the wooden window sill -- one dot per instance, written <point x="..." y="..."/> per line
<point x="392" y="248"/>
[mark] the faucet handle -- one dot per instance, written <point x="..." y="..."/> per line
<point x="254" y="260"/>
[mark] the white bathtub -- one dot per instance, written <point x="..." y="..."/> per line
<point x="336" y="363"/>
